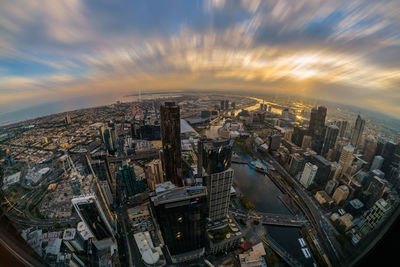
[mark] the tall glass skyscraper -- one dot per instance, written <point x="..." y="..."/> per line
<point x="171" y="142"/>
<point x="357" y="131"/>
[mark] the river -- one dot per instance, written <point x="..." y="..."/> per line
<point x="264" y="194"/>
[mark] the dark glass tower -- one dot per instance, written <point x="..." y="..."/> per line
<point x="357" y="132"/>
<point x="171" y="142"/>
<point x="181" y="214"/>
<point x="215" y="155"/>
<point x="331" y="135"/>
<point x="131" y="183"/>
<point x="317" y="122"/>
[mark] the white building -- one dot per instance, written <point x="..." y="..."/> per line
<point x="308" y="175"/>
<point x="152" y="256"/>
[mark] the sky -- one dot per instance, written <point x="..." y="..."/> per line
<point x="342" y="51"/>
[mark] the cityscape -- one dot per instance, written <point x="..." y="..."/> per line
<point x="197" y="179"/>
<point x="202" y="133"/>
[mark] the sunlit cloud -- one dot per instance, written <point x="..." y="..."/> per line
<point x="62" y="49"/>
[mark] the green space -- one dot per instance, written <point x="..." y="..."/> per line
<point x="220" y="234"/>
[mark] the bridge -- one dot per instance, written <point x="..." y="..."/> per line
<point x="269" y="241"/>
<point x="273" y="219"/>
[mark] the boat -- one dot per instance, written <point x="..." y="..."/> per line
<point x="257" y="166"/>
<point x="302" y="242"/>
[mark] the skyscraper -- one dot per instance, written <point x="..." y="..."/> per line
<point x="369" y="148"/>
<point x="317" y="122"/>
<point x="330" y="138"/>
<point x="357" y="131"/>
<point x="346" y="157"/>
<point x="181" y="214"/>
<point x="308" y="174"/>
<point x="374" y="217"/>
<point x="154" y="173"/>
<point x="171" y="142"/>
<point x="215" y="161"/>
<point x="341" y="194"/>
<point x="377" y="163"/>
<point x="132" y="184"/>
<point x="343" y="125"/>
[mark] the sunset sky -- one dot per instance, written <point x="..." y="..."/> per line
<point x="343" y="51"/>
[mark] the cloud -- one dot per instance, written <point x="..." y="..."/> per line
<point x="60" y="48"/>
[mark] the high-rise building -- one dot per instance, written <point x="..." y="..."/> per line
<point x="309" y="172"/>
<point x="375" y="216"/>
<point x="96" y="216"/>
<point x="331" y="186"/>
<point x="222" y="104"/>
<point x="181" y="213"/>
<point x="375" y="189"/>
<point x="275" y="142"/>
<point x="377" y="163"/>
<point x="306" y="141"/>
<point x="296" y="164"/>
<point x="226" y="104"/>
<point x="154" y="173"/>
<point x="369" y="148"/>
<point x="214" y="165"/>
<point x="357" y="131"/>
<point x="341" y="194"/>
<point x="317" y="122"/>
<point x="330" y="138"/>
<point x="324" y="172"/>
<point x="391" y="155"/>
<point x="336" y="170"/>
<point x="346" y="157"/>
<point x="132" y="184"/>
<point x="343" y="125"/>
<point x="171" y="142"/>
<point x="73" y="240"/>
<point x="298" y="135"/>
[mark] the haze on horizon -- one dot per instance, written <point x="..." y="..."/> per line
<point x="340" y="51"/>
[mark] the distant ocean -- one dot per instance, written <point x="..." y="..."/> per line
<point x="57" y="107"/>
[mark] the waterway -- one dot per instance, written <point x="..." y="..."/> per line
<point x="264" y="194"/>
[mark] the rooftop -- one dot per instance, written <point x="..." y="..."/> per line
<point x="179" y="193"/>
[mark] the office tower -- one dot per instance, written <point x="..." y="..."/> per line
<point x="375" y="216"/>
<point x="226" y="104"/>
<point x="391" y="155"/>
<point x="336" y="170"/>
<point x="380" y="145"/>
<point x="181" y="214"/>
<point x="154" y="173"/>
<point x="324" y="171"/>
<point x="357" y="132"/>
<point x="377" y="163"/>
<point x="171" y="142"/>
<point x="330" y="138"/>
<point x="306" y="142"/>
<point x="132" y="184"/>
<point x="214" y="165"/>
<point x="317" y="122"/>
<point x="369" y="148"/>
<point x="96" y="216"/>
<point x="309" y="172"/>
<point x="346" y="157"/>
<point x="298" y="135"/>
<point x="343" y="125"/>
<point x="68" y="120"/>
<point x="341" y="194"/>
<point x="331" y="186"/>
<point x="222" y="104"/>
<point x="375" y="189"/>
<point x="233" y="105"/>
<point x="275" y="142"/>
<point x="296" y="164"/>
<point x="73" y="240"/>
<point x="101" y="169"/>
